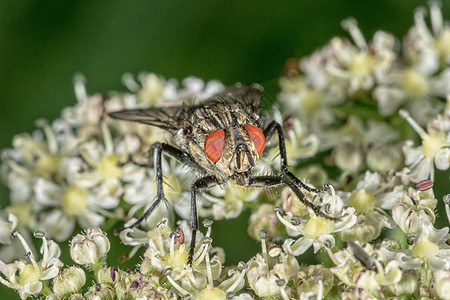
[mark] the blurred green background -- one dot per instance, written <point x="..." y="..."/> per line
<point x="44" y="43"/>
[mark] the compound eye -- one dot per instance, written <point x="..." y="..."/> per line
<point x="214" y="144"/>
<point x="257" y="137"/>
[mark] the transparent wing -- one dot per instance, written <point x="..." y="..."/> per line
<point x="168" y="118"/>
<point x="173" y="117"/>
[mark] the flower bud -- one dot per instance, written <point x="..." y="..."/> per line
<point x="76" y="297"/>
<point x="265" y="219"/>
<point x="89" y="248"/>
<point x="348" y="157"/>
<point x="381" y="158"/>
<point x="366" y="229"/>
<point x="407" y="285"/>
<point x="69" y="282"/>
<point x="109" y="275"/>
<point x="101" y="291"/>
<point x="442" y="284"/>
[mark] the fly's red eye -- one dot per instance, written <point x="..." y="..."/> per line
<point x="214" y="144"/>
<point x="257" y="137"/>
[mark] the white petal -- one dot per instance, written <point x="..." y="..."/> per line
<point x="53" y="270"/>
<point x="389" y="99"/>
<point x="298" y="247"/>
<point x="326" y="239"/>
<point x="7" y="227"/>
<point x="390" y="199"/>
<point x="90" y="218"/>
<point x="30" y="288"/>
<point x="371" y="182"/>
<point x="440" y="85"/>
<point x="439" y="263"/>
<point x="442" y="159"/>
<point x="139" y="192"/>
<point x="55" y="224"/>
<point x="47" y="192"/>
<point x="428" y="61"/>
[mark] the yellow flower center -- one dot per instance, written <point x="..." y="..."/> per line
<point x="425" y="250"/>
<point x="442" y="42"/>
<point x="415" y="84"/>
<point x="362" y="64"/>
<point x="47" y="164"/>
<point x="432" y="143"/>
<point x="29" y="274"/>
<point x="211" y="292"/>
<point x="317" y="226"/>
<point x="74" y="200"/>
<point x="109" y="168"/>
<point x="178" y="258"/>
<point x="362" y="200"/>
<point x="311" y="101"/>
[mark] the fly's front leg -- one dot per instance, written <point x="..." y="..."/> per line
<point x="199" y="184"/>
<point x="176" y="153"/>
<point x="157" y="150"/>
<point x="274" y="125"/>
<point x="272" y="181"/>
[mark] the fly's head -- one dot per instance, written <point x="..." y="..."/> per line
<point x="235" y="150"/>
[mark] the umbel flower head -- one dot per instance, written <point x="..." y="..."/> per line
<point x="374" y="229"/>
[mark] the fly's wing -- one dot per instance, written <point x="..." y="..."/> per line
<point x="168" y="118"/>
<point x="171" y="118"/>
<point x="248" y="96"/>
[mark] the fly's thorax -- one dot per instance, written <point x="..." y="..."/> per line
<point x="208" y="118"/>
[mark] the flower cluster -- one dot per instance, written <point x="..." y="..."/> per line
<point x="372" y="117"/>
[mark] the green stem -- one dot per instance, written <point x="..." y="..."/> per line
<point x="46" y="291"/>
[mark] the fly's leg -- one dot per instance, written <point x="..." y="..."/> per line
<point x="179" y="155"/>
<point x="158" y="149"/>
<point x="274" y="125"/>
<point x="272" y="181"/>
<point x="199" y="184"/>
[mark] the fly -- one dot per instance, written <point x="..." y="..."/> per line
<point x="221" y="138"/>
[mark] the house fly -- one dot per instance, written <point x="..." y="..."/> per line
<point x="221" y="138"/>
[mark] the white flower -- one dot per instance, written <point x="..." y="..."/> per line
<point x="87" y="114"/>
<point x="429" y="248"/>
<point x="29" y="280"/>
<point x="435" y="150"/>
<point x="433" y="42"/>
<point x="413" y="87"/>
<point x="371" y="197"/>
<point x="317" y="230"/>
<point x="427" y="74"/>
<point x="71" y="202"/>
<point x="354" y="138"/>
<point x="359" y="66"/>
<point x="365" y="268"/>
